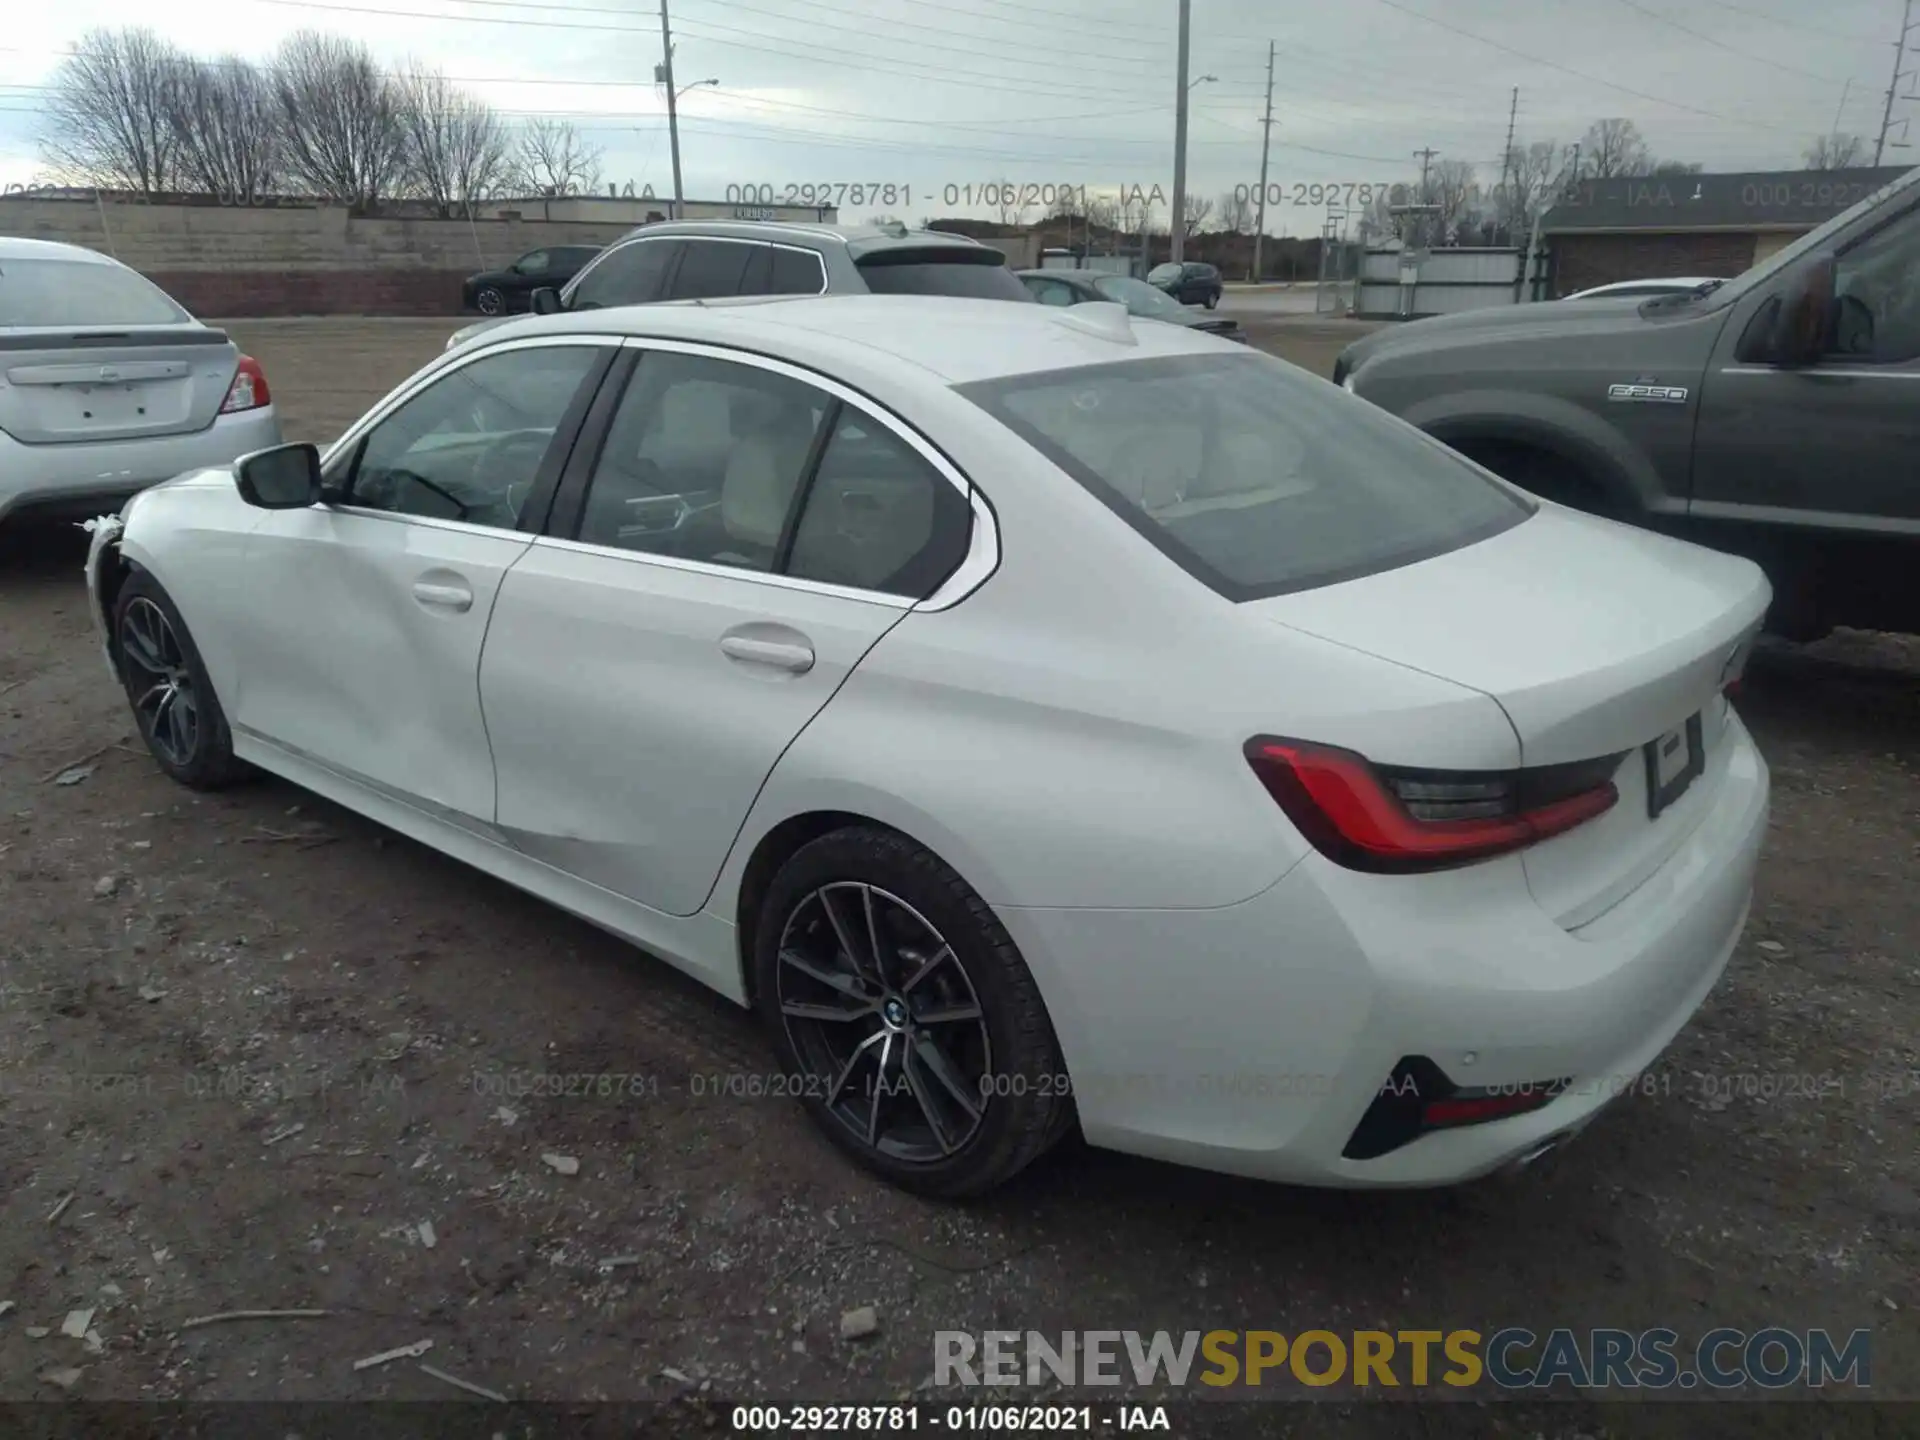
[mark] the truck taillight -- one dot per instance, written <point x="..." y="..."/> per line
<point x="248" y="390"/>
<point x="1395" y="820"/>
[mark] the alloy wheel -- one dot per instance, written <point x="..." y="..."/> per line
<point x="885" y="1020"/>
<point x="159" y="681"/>
<point x="489" y="301"/>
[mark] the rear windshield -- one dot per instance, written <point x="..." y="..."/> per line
<point x="1252" y="475"/>
<point x="982" y="275"/>
<point x="81" y="294"/>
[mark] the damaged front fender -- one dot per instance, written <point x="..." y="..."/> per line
<point x="105" y="530"/>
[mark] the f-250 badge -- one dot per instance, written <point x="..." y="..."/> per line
<point x="1658" y="394"/>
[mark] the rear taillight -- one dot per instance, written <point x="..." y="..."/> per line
<point x="1392" y="820"/>
<point x="249" y="388"/>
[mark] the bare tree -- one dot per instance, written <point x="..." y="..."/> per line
<point x="108" y="121"/>
<point x="1450" y="185"/>
<point x="1237" y="212"/>
<point x="1102" y="214"/>
<point x="1528" y="181"/>
<point x="226" y="129"/>
<point x="1614" y="147"/>
<point x="456" y="146"/>
<point x="553" y="159"/>
<point x="339" y="118"/>
<point x="1132" y="209"/>
<point x="1196" y="210"/>
<point x="1677" y="167"/>
<point x="1836" y="152"/>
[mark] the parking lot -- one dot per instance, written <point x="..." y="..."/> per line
<point x="259" y="1054"/>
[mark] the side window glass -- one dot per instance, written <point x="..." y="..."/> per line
<point x="469" y="446"/>
<point x="796" y="272"/>
<point x="878" y="516"/>
<point x="535" y="263"/>
<point x="702" y="461"/>
<point x="1052" y="292"/>
<point x="710" y="269"/>
<point x="631" y="274"/>
<point x="1877" y="286"/>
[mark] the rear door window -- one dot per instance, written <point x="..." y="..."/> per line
<point x="1255" y="477"/>
<point x="81" y="294"/>
<point x="983" y="275"/>
<point x="711" y="269"/>
<point x="878" y="516"/>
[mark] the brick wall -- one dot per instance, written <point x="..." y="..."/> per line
<point x="294" y="260"/>
<point x="1583" y="261"/>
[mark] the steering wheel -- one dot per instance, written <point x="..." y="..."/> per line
<point x="508" y="467"/>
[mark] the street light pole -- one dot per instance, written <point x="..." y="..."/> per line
<point x="1179" y="144"/>
<point x="673" y="119"/>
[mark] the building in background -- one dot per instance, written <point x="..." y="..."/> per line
<point x="1650" y="226"/>
<point x="644" y="210"/>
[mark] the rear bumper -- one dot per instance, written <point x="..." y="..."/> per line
<point x="83" y="478"/>
<point x="1252" y="1038"/>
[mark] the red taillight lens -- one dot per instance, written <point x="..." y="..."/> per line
<point x="249" y="388"/>
<point x="1397" y="820"/>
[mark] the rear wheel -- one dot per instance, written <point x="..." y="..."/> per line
<point x="913" y="1030"/>
<point x="173" y="702"/>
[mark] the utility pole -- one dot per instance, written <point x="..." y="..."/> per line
<point x="1266" y="142"/>
<point x="1179" y="141"/>
<point x="673" y="119"/>
<point x="1506" y="162"/>
<point x="1425" y="157"/>
<point x="1893" y="85"/>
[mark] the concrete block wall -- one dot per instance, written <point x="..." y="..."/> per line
<point x="294" y="260"/>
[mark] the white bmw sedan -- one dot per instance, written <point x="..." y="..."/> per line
<point x="1040" y="719"/>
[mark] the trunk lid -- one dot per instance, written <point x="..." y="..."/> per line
<point x="1595" y="639"/>
<point x="65" y="385"/>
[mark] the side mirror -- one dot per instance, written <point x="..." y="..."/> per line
<point x="286" y="477"/>
<point x="546" y="301"/>
<point x="1804" y="330"/>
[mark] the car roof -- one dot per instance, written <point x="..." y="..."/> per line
<point x="859" y="239"/>
<point x="18" y="248"/>
<point x="958" y="339"/>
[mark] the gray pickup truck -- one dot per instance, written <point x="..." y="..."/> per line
<point x="1776" y="415"/>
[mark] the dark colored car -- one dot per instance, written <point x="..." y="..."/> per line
<point x="1191" y="283"/>
<point x="1149" y="302"/>
<point x="1775" y="415"/>
<point x="503" y="292"/>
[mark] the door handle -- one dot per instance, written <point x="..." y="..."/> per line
<point x="777" y="653"/>
<point x="444" y="597"/>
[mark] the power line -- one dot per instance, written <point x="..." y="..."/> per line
<point x="1568" y="69"/>
<point x="1720" y="44"/>
<point x="1823" y="33"/>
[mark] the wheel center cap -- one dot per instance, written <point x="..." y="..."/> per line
<point x="894" y="1012"/>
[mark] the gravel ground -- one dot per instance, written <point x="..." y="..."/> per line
<point x="256" y="1053"/>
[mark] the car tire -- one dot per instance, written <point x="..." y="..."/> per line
<point x="174" y="707"/>
<point x="490" y="300"/>
<point x="946" y="1080"/>
<point x="1213" y="302"/>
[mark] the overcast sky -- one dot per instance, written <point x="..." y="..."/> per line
<point x="937" y="95"/>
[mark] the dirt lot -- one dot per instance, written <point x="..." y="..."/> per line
<point x="252" y="1047"/>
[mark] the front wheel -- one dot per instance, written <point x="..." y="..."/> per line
<point x="174" y="706"/>
<point x="905" y="1017"/>
<point x="490" y="301"/>
<point x="1213" y="302"/>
